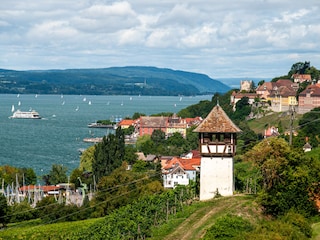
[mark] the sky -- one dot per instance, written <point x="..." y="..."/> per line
<point x="222" y="39"/>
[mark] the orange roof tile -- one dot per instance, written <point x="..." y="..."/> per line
<point x="126" y="122"/>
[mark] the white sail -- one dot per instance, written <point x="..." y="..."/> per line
<point x="12" y="108"/>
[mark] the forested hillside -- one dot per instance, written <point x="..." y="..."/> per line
<point x="109" y="81"/>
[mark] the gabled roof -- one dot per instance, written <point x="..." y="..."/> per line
<point x="313" y="90"/>
<point x="155" y="122"/>
<point x="126" y="122"/>
<point x="265" y="86"/>
<point x="217" y="121"/>
<point x="185" y="164"/>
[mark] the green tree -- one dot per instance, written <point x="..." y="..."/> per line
<point x="122" y="187"/>
<point x="310" y="127"/>
<point x="287" y="177"/>
<point x="109" y="154"/>
<point x="137" y="115"/>
<point x="315" y="73"/>
<point x="24" y="175"/>
<point x="158" y="136"/>
<point x="130" y="155"/>
<point x="22" y="212"/>
<point x="139" y="166"/>
<point x="57" y="174"/>
<point x="192" y="138"/>
<point x="176" y="139"/>
<point x="87" y="158"/>
<point x="243" y="110"/>
<point x="4" y="211"/>
<point x="145" y="144"/>
<point x="299" y="67"/>
<point x="261" y="82"/>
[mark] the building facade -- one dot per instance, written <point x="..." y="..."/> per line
<point x="217" y="141"/>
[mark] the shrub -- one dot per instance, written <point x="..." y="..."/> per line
<point x="228" y="227"/>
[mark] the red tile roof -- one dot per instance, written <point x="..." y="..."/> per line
<point x="186" y="164"/>
<point x="313" y="90"/>
<point x="126" y="122"/>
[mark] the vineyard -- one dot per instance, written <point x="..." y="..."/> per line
<point x="172" y="216"/>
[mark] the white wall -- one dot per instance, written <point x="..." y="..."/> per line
<point x="216" y="173"/>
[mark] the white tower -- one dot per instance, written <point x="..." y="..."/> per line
<point x="217" y="141"/>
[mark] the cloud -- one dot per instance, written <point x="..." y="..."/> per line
<point x="238" y="38"/>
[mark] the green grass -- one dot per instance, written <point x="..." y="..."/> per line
<point x="196" y="219"/>
<point x="259" y="125"/>
<point x="35" y="230"/>
<point x="316" y="231"/>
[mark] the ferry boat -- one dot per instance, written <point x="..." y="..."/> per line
<point x="26" y="115"/>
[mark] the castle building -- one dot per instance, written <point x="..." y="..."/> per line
<point x="217" y="142"/>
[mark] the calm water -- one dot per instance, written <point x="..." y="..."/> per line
<point x="57" y="137"/>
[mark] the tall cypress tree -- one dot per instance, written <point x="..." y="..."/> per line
<point x="109" y="154"/>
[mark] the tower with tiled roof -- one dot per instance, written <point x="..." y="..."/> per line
<point x="217" y="143"/>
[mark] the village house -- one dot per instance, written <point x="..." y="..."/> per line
<point x="176" y="124"/>
<point x="126" y="123"/>
<point x="169" y="125"/>
<point x="271" y="132"/>
<point x="147" y="124"/>
<point x="281" y="94"/>
<point x="179" y="171"/>
<point x="300" y="78"/>
<point x="309" y="98"/>
<point x="237" y="96"/>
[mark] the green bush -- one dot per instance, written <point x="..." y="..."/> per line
<point x="228" y="227"/>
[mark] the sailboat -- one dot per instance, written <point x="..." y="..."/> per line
<point x="12" y="108"/>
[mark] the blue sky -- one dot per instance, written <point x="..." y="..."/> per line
<point x="223" y="39"/>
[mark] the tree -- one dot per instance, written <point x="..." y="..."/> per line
<point x="261" y="82"/>
<point x="158" y="136"/>
<point x="243" y="110"/>
<point x="130" y="155"/>
<point x="4" y="210"/>
<point x="137" y="115"/>
<point x="192" y="138"/>
<point x="299" y="67"/>
<point x="145" y="144"/>
<point x="57" y="174"/>
<point x="176" y="139"/>
<point x="25" y="175"/>
<point x="309" y="126"/>
<point x="87" y="158"/>
<point x="288" y="178"/>
<point x="315" y="73"/>
<point x="122" y="187"/>
<point x="108" y="154"/>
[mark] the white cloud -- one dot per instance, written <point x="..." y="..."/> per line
<point x="221" y="39"/>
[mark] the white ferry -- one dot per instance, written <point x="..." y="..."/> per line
<point x="28" y="115"/>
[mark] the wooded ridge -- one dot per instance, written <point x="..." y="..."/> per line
<point x="110" y="81"/>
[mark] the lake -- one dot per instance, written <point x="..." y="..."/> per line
<point x="58" y="136"/>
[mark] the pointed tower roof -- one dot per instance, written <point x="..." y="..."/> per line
<point x="217" y="121"/>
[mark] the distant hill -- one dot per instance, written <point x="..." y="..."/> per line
<point x="132" y="80"/>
